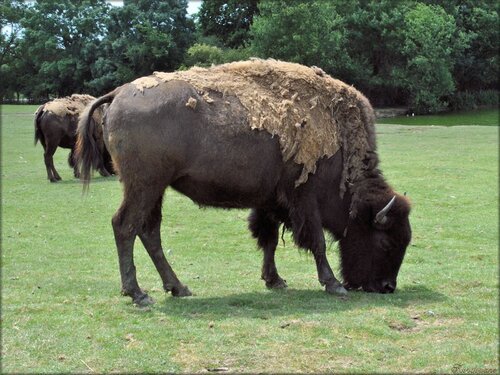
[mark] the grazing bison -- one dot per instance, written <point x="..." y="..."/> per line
<point x="55" y="126"/>
<point x="290" y="142"/>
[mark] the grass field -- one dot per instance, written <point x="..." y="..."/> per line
<point x="62" y="311"/>
<point x="487" y="117"/>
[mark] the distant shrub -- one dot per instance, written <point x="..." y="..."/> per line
<point x="203" y="55"/>
<point x="236" y="54"/>
<point x="465" y="100"/>
<point x="487" y="98"/>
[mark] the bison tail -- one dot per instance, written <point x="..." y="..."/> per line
<point x="38" y="131"/>
<point x="87" y="153"/>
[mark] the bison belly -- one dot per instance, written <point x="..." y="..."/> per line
<point x="242" y="173"/>
<point x="57" y="130"/>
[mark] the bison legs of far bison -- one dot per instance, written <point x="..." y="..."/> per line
<point x="73" y="164"/>
<point x="49" y="150"/>
<point x="48" y="157"/>
<point x="140" y="215"/>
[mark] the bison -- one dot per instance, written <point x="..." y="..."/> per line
<point x="289" y="142"/>
<point x="55" y="126"/>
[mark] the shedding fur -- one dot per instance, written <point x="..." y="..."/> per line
<point x="313" y="114"/>
<point x="191" y="103"/>
<point x="70" y="105"/>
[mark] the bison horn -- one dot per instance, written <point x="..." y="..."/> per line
<point x="381" y="218"/>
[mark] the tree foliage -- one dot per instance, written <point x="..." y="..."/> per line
<point x="431" y="42"/>
<point x="11" y="13"/>
<point x="60" y="41"/>
<point x="228" y="20"/>
<point x="478" y="63"/>
<point x="425" y="54"/>
<point x="205" y="55"/>
<point x="89" y="46"/>
<point x="373" y="43"/>
<point x="307" y="32"/>
<point x="399" y="52"/>
<point x="142" y="36"/>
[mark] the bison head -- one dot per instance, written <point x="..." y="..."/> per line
<point x="375" y="242"/>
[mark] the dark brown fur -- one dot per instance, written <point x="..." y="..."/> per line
<point x="54" y="130"/>
<point x="210" y="154"/>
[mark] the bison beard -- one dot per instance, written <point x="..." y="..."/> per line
<point x="201" y="141"/>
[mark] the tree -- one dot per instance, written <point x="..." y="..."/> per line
<point x="229" y="21"/>
<point x="61" y="40"/>
<point x="11" y="13"/>
<point x="305" y="32"/>
<point x="142" y="36"/>
<point x="477" y="67"/>
<point x="431" y="42"/>
<point x="373" y="31"/>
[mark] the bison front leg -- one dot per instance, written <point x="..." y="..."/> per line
<point x="326" y="276"/>
<point x="308" y="234"/>
<point x="266" y="229"/>
<point x="150" y="237"/>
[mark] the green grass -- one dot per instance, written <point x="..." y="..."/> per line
<point x="478" y="117"/>
<point x="62" y="311"/>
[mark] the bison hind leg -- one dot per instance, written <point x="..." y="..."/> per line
<point x="150" y="237"/>
<point x="48" y="156"/>
<point x="73" y="164"/>
<point x="140" y="214"/>
<point x="104" y="172"/>
<point x="265" y="228"/>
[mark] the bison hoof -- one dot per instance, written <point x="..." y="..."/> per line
<point x="181" y="291"/>
<point x="143" y="300"/>
<point x="336" y="288"/>
<point x="277" y="283"/>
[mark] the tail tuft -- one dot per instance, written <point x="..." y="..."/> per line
<point x="87" y="153"/>
<point x="38" y="132"/>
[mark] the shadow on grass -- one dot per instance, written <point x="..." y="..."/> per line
<point x="298" y="301"/>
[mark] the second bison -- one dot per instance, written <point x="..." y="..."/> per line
<point x="55" y="126"/>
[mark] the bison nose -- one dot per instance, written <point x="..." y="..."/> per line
<point x="388" y="286"/>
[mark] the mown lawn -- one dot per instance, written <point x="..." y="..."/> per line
<point x="62" y="311"/>
<point x="486" y="117"/>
